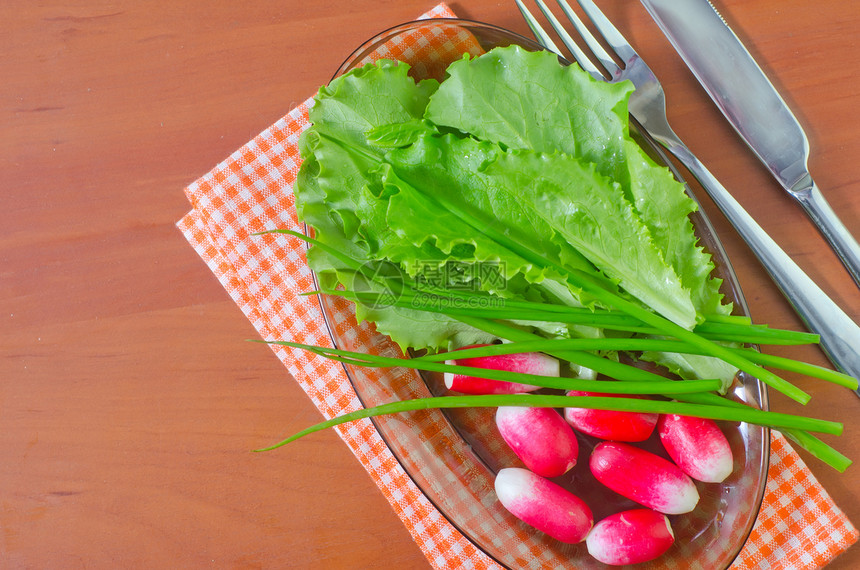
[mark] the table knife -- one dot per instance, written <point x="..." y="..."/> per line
<point x="758" y="113"/>
<point x="754" y="108"/>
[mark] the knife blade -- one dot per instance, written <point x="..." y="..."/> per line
<point x="755" y="109"/>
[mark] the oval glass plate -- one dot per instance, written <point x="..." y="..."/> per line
<point x="453" y="455"/>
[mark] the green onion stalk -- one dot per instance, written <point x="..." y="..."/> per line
<point x="696" y="399"/>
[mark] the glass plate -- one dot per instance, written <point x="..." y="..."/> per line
<point x="453" y="455"/>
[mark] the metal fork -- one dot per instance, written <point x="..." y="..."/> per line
<point x="840" y="336"/>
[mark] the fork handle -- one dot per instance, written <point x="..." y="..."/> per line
<point x="840" y="336"/>
<point x="833" y="230"/>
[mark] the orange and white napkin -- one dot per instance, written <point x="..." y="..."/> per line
<point x="799" y="526"/>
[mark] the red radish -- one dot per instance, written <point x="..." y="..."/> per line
<point x="630" y="537"/>
<point x="527" y="363"/>
<point x="698" y="446"/>
<point x="544" y="505"/>
<point x="644" y="477"/>
<point x="609" y="424"/>
<point x="540" y="437"/>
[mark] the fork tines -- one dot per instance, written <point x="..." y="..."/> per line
<point x="610" y="34"/>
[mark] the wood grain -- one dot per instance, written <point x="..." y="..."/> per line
<point x="129" y="400"/>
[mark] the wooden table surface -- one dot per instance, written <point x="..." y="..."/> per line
<point x="129" y="400"/>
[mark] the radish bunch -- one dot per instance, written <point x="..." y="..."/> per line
<point x="546" y="443"/>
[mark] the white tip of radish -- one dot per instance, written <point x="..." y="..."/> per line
<point x="644" y="477"/>
<point x="543" y="505"/>
<point x="630" y="537"/>
<point x="449" y="378"/>
<point x="698" y="446"/>
<point x="584" y="373"/>
<point x="540" y="437"/>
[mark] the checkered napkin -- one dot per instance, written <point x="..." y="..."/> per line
<point x="798" y="526"/>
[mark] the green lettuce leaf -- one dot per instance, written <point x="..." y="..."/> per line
<point x="544" y="193"/>
<point x="526" y="100"/>
<point x="665" y="208"/>
<point x="550" y="208"/>
<point x="339" y="194"/>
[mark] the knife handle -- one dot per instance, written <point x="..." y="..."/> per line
<point x="833" y="230"/>
<point x="840" y="336"/>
